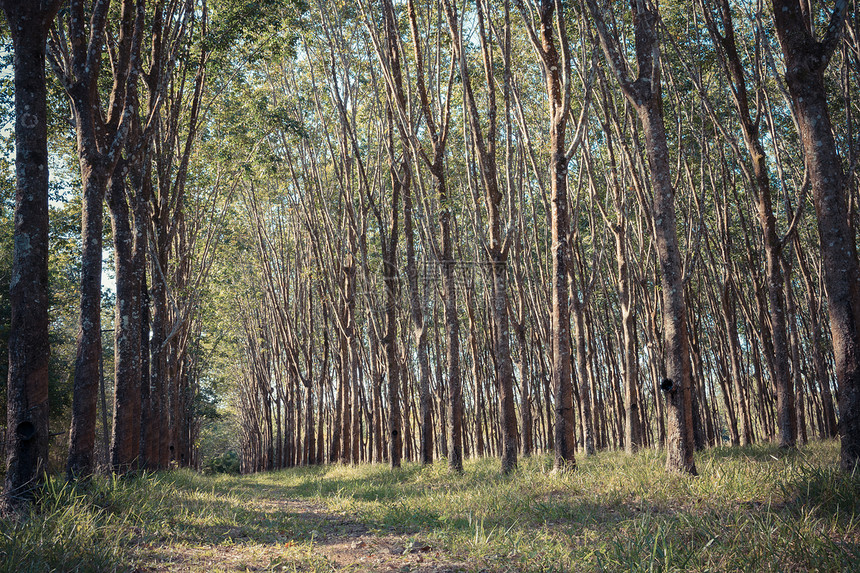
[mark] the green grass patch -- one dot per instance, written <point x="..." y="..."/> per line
<point x="752" y="509"/>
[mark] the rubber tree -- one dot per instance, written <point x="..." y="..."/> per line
<point x="556" y="67"/>
<point x="498" y="239"/>
<point x="718" y="17"/>
<point x="77" y="45"/>
<point x="645" y="95"/>
<point x="27" y="390"/>
<point x="806" y="60"/>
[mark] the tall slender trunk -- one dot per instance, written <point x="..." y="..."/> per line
<point x="27" y="385"/>
<point x="644" y="94"/>
<point x="733" y="342"/>
<point x="379" y="423"/>
<point x="565" y="441"/>
<point x="345" y="364"/>
<point x="526" y="401"/>
<point x="497" y="248"/>
<point x="335" y="409"/>
<point x="583" y="376"/>
<point x="319" y="456"/>
<point x="354" y="365"/>
<point x="441" y="393"/>
<point x="478" y="387"/>
<point x="125" y="441"/>
<point x="632" y="422"/>
<point x="806" y="60"/>
<point x="416" y="309"/>
<point x="158" y="402"/>
<point x="343" y="396"/>
<point x="395" y="417"/>
<point x="310" y="436"/>
<point x="81" y="460"/>
<point x="557" y="73"/>
<point x="678" y="382"/>
<point x="794" y="347"/>
<point x="452" y="331"/>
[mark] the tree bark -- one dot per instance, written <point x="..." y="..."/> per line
<point x="156" y="423"/>
<point x="733" y="68"/>
<point x="644" y="94"/>
<point x="583" y="376"/>
<point x="125" y="441"/>
<point x="395" y="438"/>
<point x="632" y="422"/>
<point x="81" y="460"/>
<point x="497" y="247"/>
<point x="679" y="431"/>
<point x="805" y="61"/>
<point x="27" y="384"/>
<point x="100" y="140"/>
<point x="557" y="73"/>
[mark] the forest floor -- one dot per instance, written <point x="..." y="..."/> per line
<point x="751" y="509"/>
<point x="336" y="543"/>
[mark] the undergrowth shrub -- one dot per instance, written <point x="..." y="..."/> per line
<point x="226" y="463"/>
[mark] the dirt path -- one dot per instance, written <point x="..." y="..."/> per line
<point x="337" y="543"/>
<point x="348" y="545"/>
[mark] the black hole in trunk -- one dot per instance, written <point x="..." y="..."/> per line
<point x="26" y="431"/>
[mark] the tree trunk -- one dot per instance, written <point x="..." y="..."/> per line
<point x="733" y="342"/>
<point x="806" y="60"/>
<point x="336" y="428"/>
<point x="81" y="460"/>
<point x="478" y="388"/>
<point x="125" y="440"/>
<point x="497" y="247"/>
<point x="525" y="391"/>
<point x="583" y="376"/>
<point x="452" y="335"/>
<point x="158" y="403"/>
<point x="644" y="94"/>
<point x="145" y="381"/>
<point x="557" y="74"/>
<point x="632" y="422"/>
<point x="678" y="382"/>
<point x="27" y="384"/>
<point x="100" y="140"/>
<point x="794" y="345"/>
<point x="395" y="417"/>
<point x="425" y="398"/>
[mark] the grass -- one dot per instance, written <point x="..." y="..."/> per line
<point x="751" y="509"/>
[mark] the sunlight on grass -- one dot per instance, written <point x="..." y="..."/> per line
<point x="754" y="508"/>
<point x="751" y="509"/>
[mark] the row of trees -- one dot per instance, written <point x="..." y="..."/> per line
<point x="133" y="74"/>
<point x="445" y="229"/>
<point x="628" y="252"/>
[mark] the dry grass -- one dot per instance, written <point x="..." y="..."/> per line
<point x="751" y="509"/>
